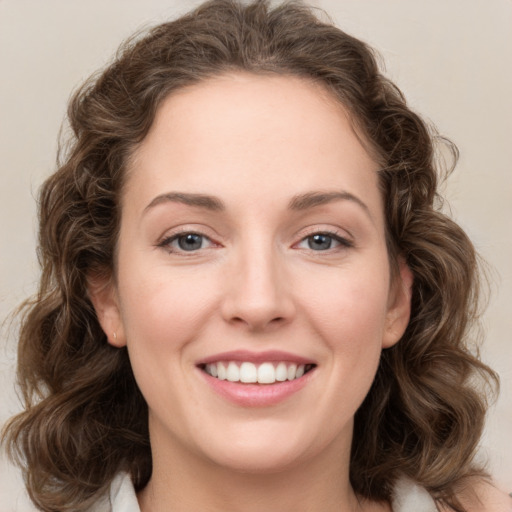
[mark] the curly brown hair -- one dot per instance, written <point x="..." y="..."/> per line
<point x="85" y="418"/>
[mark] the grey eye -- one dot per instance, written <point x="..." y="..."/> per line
<point x="320" y="242"/>
<point x="190" y="242"/>
<point x="186" y="242"/>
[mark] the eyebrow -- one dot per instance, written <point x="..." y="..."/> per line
<point x="312" y="199"/>
<point x="198" y="200"/>
<point x="297" y="203"/>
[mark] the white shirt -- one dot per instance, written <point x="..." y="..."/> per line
<point x="408" y="497"/>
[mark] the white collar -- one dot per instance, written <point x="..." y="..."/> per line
<point x="121" y="496"/>
<point x="410" y="497"/>
<point x="407" y="497"/>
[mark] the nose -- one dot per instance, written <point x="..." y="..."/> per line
<point x="258" y="294"/>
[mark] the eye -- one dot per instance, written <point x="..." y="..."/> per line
<point x="323" y="242"/>
<point x="186" y="242"/>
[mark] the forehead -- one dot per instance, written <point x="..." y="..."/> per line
<point x="244" y="107"/>
<point x="256" y="135"/>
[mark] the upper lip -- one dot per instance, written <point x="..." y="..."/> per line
<point x="267" y="356"/>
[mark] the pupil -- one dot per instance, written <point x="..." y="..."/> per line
<point x="190" y="242"/>
<point x="320" y="242"/>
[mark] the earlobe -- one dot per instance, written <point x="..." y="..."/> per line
<point x="103" y="295"/>
<point x="399" y="309"/>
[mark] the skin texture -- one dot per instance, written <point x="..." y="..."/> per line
<point x="254" y="143"/>
<point x="483" y="496"/>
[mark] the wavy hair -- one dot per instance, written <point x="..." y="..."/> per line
<point x="85" y="418"/>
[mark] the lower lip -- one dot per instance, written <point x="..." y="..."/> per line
<point x="257" y="395"/>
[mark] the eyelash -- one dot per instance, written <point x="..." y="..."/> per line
<point x="343" y="242"/>
<point x="167" y="241"/>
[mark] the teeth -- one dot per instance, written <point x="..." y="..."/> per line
<point x="221" y="371"/>
<point x="281" y="372"/>
<point x="265" y="373"/>
<point x="248" y="372"/>
<point x="233" y="372"/>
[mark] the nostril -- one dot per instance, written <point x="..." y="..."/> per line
<point x="255" y="323"/>
<point x="257" y="311"/>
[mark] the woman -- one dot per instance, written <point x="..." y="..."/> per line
<point x="249" y="300"/>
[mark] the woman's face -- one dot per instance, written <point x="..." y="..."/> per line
<point x="252" y="250"/>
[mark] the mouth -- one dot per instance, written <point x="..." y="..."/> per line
<point x="248" y="372"/>
<point x="257" y="379"/>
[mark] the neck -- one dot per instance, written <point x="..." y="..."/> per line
<point x="221" y="489"/>
<point x="190" y="483"/>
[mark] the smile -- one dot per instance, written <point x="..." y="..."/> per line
<point x="251" y="373"/>
<point x="257" y="379"/>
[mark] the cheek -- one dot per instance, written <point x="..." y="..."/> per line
<point x="163" y="313"/>
<point x="351" y="310"/>
<point x="348" y="318"/>
<point x="163" y="309"/>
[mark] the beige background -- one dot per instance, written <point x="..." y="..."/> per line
<point x="452" y="58"/>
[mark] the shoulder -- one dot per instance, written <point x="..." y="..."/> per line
<point x="482" y="495"/>
<point x="479" y="495"/>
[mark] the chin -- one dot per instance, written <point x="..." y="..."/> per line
<point x="257" y="461"/>
<point x="266" y="451"/>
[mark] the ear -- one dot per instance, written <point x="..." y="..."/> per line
<point x="399" y="307"/>
<point x="103" y="295"/>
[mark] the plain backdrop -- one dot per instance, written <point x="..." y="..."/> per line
<point x="452" y="58"/>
